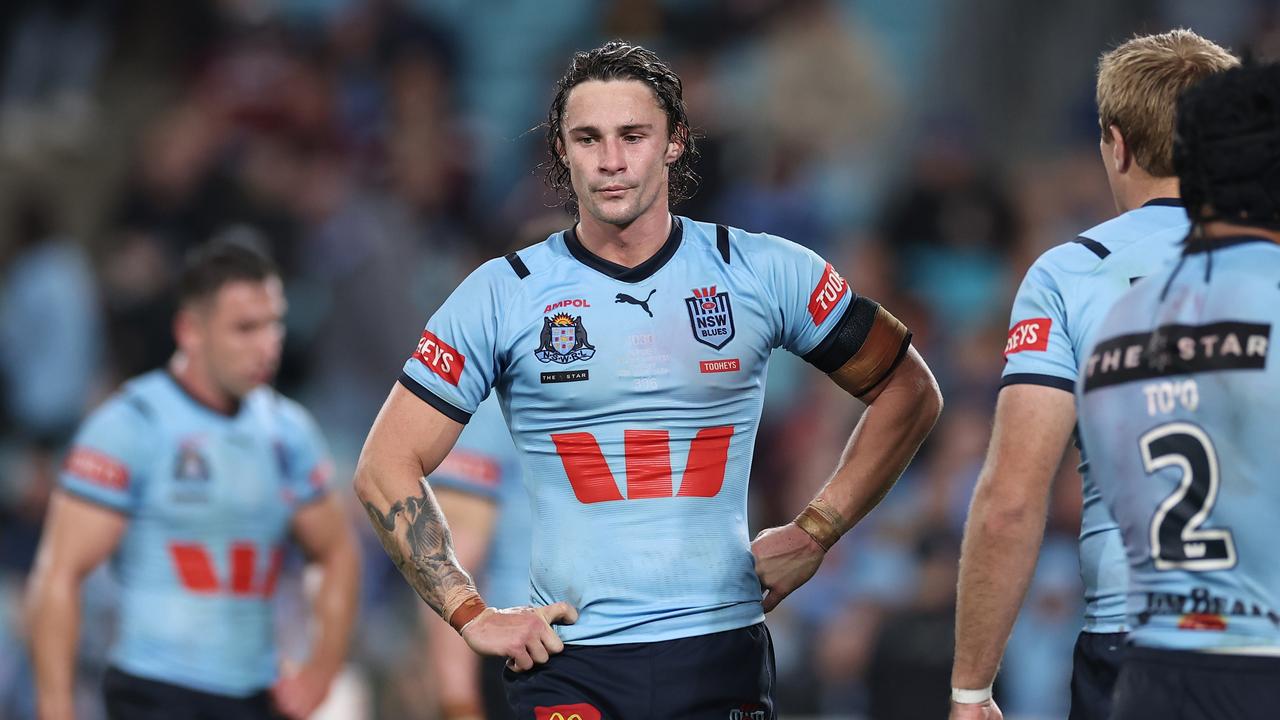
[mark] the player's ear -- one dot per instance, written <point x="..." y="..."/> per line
<point x="676" y="143"/>
<point x="1120" y="158"/>
<point x="186" y="327"/>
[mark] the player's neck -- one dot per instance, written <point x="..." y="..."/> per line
<point x="628" y="245"/>
<point x="1145" y="189"/>
<point x="196" y="382"/>
<point x="1220" y="229"/>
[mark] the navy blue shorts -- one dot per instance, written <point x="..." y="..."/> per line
<point x="1180" y="685"/>
<point x="1095" y="666"/>
<point x="723" y="676"/>
<point x="129" y="697"/>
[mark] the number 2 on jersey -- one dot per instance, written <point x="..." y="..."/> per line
<point x="1177" y="540"/>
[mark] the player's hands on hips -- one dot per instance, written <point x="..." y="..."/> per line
<point x="522" y="634"/>
<point x="987" y="710"/>
<point x="786" y="557"/>
<point x="299" y="691"/>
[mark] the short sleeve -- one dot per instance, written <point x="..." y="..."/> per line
<point x="809" y="293"/>
<point x="455" y="364"/>
<point x="1038" y="350"/>
<point x="107" y="462"/>
<point x="308" y="465"/>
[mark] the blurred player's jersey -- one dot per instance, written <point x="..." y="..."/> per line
<point x="1179" y="403"/>
<point x="484" y="462"/>
<point x="1056" y="313"/>
<point x="209" y="498"/>
<point x="633" y="395"/>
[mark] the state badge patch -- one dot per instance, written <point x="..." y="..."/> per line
<point x="563" y="340"/>
<point x="710" y="317"/>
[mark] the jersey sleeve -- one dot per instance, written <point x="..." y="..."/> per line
<point x="851" y="338"/>
<point x="107" y="462"/>
<point x="456" y="361"/>
<point x="810" y="295"/>
<point x="308" y="465"/>
<point x="1038" y="350"/>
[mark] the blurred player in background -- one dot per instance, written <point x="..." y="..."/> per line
<point x="1055" y="314"/>
<point x="1178" y="407"/>
<point x="189" y="479"/>
<point x="629" y="353"/>
<point x="479" y="489"/>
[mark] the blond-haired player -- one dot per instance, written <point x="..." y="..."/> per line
<point x="1064" y="296"/>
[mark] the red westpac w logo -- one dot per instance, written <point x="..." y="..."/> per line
<point x="576" y="711"/>
<point x="648" y="463"/>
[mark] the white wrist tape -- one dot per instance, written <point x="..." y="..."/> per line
<point x="970" y="697"/>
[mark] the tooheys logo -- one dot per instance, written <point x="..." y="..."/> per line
<point x="576" y="711"/>
<point x="440" y="357"/>
<point x="826" y="295"/>
<point x="1030" y="334"/>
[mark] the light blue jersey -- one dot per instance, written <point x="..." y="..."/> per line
<point x="209" y="498"/>
<point x="1055" y="317"/>
<point x="484" y="462"/>
<point x="1179" y="403"/>
<point x="633" y="396"/>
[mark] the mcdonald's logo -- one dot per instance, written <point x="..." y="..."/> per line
<point x="576" y="711"/>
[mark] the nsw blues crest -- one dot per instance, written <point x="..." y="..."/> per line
<point x="563" y="340"/>
<point x="710" y="316"/>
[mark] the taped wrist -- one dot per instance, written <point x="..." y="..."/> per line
<point x="822" y="522"/>
<point x="461" y="606"/>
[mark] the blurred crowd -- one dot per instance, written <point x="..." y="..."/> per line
<point x="382" y="149"/>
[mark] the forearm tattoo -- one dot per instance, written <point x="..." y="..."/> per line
<point x="421" y="546"/>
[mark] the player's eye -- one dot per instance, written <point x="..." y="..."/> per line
<point x="633" y="138"/>
<point x="586" y="140"/>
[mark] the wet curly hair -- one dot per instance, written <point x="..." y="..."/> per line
<point x="620" y="60"/>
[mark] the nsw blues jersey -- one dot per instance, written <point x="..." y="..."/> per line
<point x="1055" y="316"/>
<point x="1178" y="407"/>
<point x="209" y="498"/>
<point x="484" y="462"/>
<point x="633" y="396"/>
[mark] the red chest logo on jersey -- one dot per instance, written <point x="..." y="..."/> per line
<point x="440" y="357"/>
<point x="1030" y="334"/>
<point x="710" y="316"/>
<point x="826" y="296"/>
<point x="576" y="711"/>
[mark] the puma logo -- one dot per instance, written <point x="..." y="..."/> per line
<point x="625" y="298"/>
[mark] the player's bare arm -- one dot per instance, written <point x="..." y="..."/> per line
<point x="325" y="537"/>
<point x="903" y="404"/>
<point x="408" y="440"/>
<point x="78" y="536"/>
<point x="1005" y="527"/>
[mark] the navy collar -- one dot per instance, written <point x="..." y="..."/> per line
<point x="1163" y="202"/>
<point x="636" y="274"/>
<point x="1205" y="244"/>
<point x="235" y="409"/>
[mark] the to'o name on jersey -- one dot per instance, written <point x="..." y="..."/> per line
<point x="827" y="294"/>
<point x="1031" y="334"/>
<point x="440" y="357"/>
<point x="1178" y="350"/>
